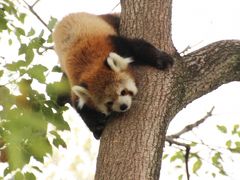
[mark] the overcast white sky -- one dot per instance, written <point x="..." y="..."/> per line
<point x="195" y="23"/>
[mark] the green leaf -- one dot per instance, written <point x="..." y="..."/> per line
<point x="214" y="175"/>
<point x="7" y="100"/>
<point x="52" y="22"/>
<point x="222" y="128"/>
<point x="20" y="31"/>
<point x="22" y="17"/>
<point x="10" y="42"/>
<point x="3" y="24"/>
<point x="58" y="141"/>
<point x="57" y="69"/>
<point x="193" y="144"/>
<point x="29" y="176"/>
<point x="57" y="89"/>
<point x="178" y="155"/>
<point x="25" y="87"/>
<point x="29" y="55"/>
<point x="180" y="177"/>
<point x="235" y="129"/>
<point x="22" y="49"/>
<point x="49" y="39"/>
<point x="165" y="156"/>
<point x="16" y="65"/>
<point x="16" y="157"/>
<point x="197" y="165"/>
<point x="37" y="72"/>
<point x="237" y="144"/>
<point x="19" y="176"/>
<point x="1" y="73"/>
<point x="39" y="146"/>
<point x="31" y="32"/>
<point x="28" y="51"/>
<point x="228" y="144"/>
<point x="41" y="34"/>
<point x="6" y="171"/>
<point x="37" y="168"/>
<point x="36" y="43"/>
<point x="216" y="158"/>
<point x="58" y="121"/>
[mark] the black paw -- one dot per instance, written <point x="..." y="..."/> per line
<point x="97" y="132"/>
<point x="163" y="61"/>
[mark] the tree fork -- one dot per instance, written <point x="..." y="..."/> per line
<point x="131" y="146"/>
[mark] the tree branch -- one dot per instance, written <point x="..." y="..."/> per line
<point x="171" y="141"/>
<point x="170" y="138"/>
<point x="210" y="67"/>
<point x="118" y="4"/>
<point x="188" y="148"/>
<point x="35" y="3"/>
<point x="30" y="8"/>
<point x="191" y="126"/>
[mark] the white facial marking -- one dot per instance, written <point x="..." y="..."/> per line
<point x="122" y="101"/>
<point x="131" y="86"/>
<point x="82" y="94"/>
<point x="103" y="109"/>
<point x="128" y="83"/>
<point x="118" y="63"/>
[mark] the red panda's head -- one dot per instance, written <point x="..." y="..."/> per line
<point x="110" y="89"/>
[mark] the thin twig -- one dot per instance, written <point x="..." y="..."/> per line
<point x="189" y="47"/>
<point x="170" y="138"/>
<point x="185" y="49"/>
<point x="35" y="14"/>
<point x="34" y="4"/>
<point x="187" y="147"/>
<point x="45" y="49"/>
<point x="191" y="126"/>
<point x="186" y="161"/>
<point x="115" y="6"/>
<point x="171" y="141"/>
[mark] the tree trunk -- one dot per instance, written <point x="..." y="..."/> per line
<point x="131" y="146"/>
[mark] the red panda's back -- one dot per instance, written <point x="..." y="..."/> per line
<point x="78" y="27"/>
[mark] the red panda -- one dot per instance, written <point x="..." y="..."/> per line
<point x="95" y="59"/>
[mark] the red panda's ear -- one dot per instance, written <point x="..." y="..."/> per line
<point x="82" y="94"/>
<point x="118" y="63"/>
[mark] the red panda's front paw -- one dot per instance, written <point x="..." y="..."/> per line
<point x="97" y="132"/>
<point x="164" y="61"/>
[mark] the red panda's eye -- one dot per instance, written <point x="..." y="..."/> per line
<point x="110" y="103"/>
<point x="123" y="92"/>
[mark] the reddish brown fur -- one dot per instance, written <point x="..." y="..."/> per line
<point x="82" y="42"/>
<point x="86" y="65"/>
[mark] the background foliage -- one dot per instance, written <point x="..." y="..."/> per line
<point x="27" y="111"/>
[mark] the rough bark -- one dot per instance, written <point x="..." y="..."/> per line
<point x="150" y="20"/>
<point x="131" y="146"/>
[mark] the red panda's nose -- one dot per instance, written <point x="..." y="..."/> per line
<point x="123" y="107"/>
